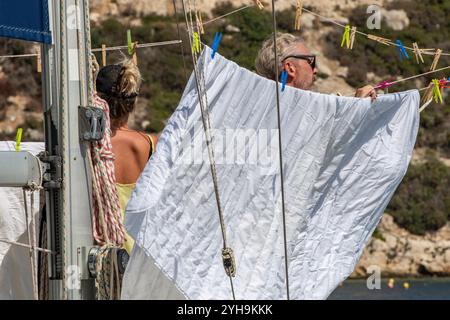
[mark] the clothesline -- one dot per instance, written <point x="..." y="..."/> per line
<point x="139" y="46"/>
<point x="423" y="51"/>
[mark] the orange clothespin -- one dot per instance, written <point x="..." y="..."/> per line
<point x="39" y="59"/>
<point x="418" y="53"/>
<point x="352" y="37"/>
<point x="298" y="14"/>
<point x="199" y="21"/>
<point x="103" y="55"/>
<point x="437" y="55"/>
<point x="379" y="39"/>
<point x="259" y="4"/>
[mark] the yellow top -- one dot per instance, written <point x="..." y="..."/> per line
<point x="124" y="191"/>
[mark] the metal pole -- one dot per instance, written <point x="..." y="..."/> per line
<point x="65" y="88"/>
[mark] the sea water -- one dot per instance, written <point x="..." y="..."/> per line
<point x="401" y="289"/>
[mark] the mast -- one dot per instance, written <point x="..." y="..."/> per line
<point x="67" y="85"/>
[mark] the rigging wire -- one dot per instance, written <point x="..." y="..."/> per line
<point x="199" y="78"/>
<point x="280" y="153"/>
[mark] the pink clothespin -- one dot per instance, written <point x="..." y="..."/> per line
<point x="444" y="83"/>
<point x="383" y="85"/>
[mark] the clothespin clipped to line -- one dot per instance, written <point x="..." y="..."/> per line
<point x="346" y="37"/>
<point x="103" y="55"/>
<point x="298" y="14"/>
<point x="428" y="95"/>
<point x="259" y="4"/>
<point x="383" y="85"/>
<point x="199" y="22"/>
<point x="444" y="83"/>
<point x="352" y="37"/>
<point x="402" y="50"/>
<point x="38" y="60"/>
<point x="132" y="46"/>
<point x="216" y="43"/>
<point x="284" y="76"/>
<point x="196" y="43"/>
<point x="418" y="53"/>
<point x="437" y="56"/>
<point x="379" y="39"/>
<point x="18" y="139"/>
<point x="437" y="94"/>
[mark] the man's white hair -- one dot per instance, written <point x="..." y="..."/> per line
<point x="265" y="61"/>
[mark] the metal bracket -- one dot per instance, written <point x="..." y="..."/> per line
<point x="92" y="123"/>
<point x="52" y="178"/>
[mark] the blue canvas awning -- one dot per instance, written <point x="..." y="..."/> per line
<point x="25" y="19"/>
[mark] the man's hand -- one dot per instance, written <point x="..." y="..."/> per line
<point x="367" y="91"/>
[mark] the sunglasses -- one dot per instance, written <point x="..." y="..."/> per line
<point x="311" y="59"/>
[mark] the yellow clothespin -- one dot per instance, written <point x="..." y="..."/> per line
<point x="132" y="46"/>
<point x="352" y="37"/>
<point x="196" y="43"/>
<point x="379" y="39"/>
<point x="199" y="21"/>
<point x="38" y="60"/>
<point x="259" y="4"/>
<point x="418" y="53"/>
<point x="18" y="139"/>
<point x="346" y="37"/>
<point x="436" y="59"/>
<point x="437" y="92"/>
<point x="298" y="14"/>
<point x="103" y="55"/>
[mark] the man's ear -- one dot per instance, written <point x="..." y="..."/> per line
<point x="289" y="67"/>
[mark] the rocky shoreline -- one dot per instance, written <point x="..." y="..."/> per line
<point x="399" y="253"/>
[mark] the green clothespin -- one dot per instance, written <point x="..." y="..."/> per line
<point x="437" y="92"/>
<point x="346" y="37"/>
<point x="18" y="139"/>
<point x="196" y="43"/>
<point x="130" y="43"/>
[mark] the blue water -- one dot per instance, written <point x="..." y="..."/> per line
<point x="419" y="289"/>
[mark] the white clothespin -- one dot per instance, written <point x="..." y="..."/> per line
<point x="436" y="59"/>
<point x="298" y="14"/>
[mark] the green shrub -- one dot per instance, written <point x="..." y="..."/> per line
<point x="422" y="203"/>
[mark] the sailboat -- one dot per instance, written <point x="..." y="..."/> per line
<point x="68" y="255"/>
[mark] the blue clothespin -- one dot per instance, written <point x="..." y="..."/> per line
<point x="284" y="76"/>
<point x="402" y="50"/>
<point x="216" y="43"/>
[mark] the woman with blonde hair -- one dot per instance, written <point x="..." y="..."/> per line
<point x="119" y="85"/>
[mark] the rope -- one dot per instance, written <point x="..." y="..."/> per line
<point x="140" y="46"/>
<point x="107" y="222"/>
<point x="32" y="245"/>
<point x="108" y="278"/>
<point x="181" y="43"/>
<point x="24" y="245"/>
<point x="416" y="76"/>
<point x="229" y="13"/>
<point x="116" y="48"/>
<point x="274" y="19"/>
<point x="199" y="78"/>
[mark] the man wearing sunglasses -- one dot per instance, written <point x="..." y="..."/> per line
<point x="297" y="61"/>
